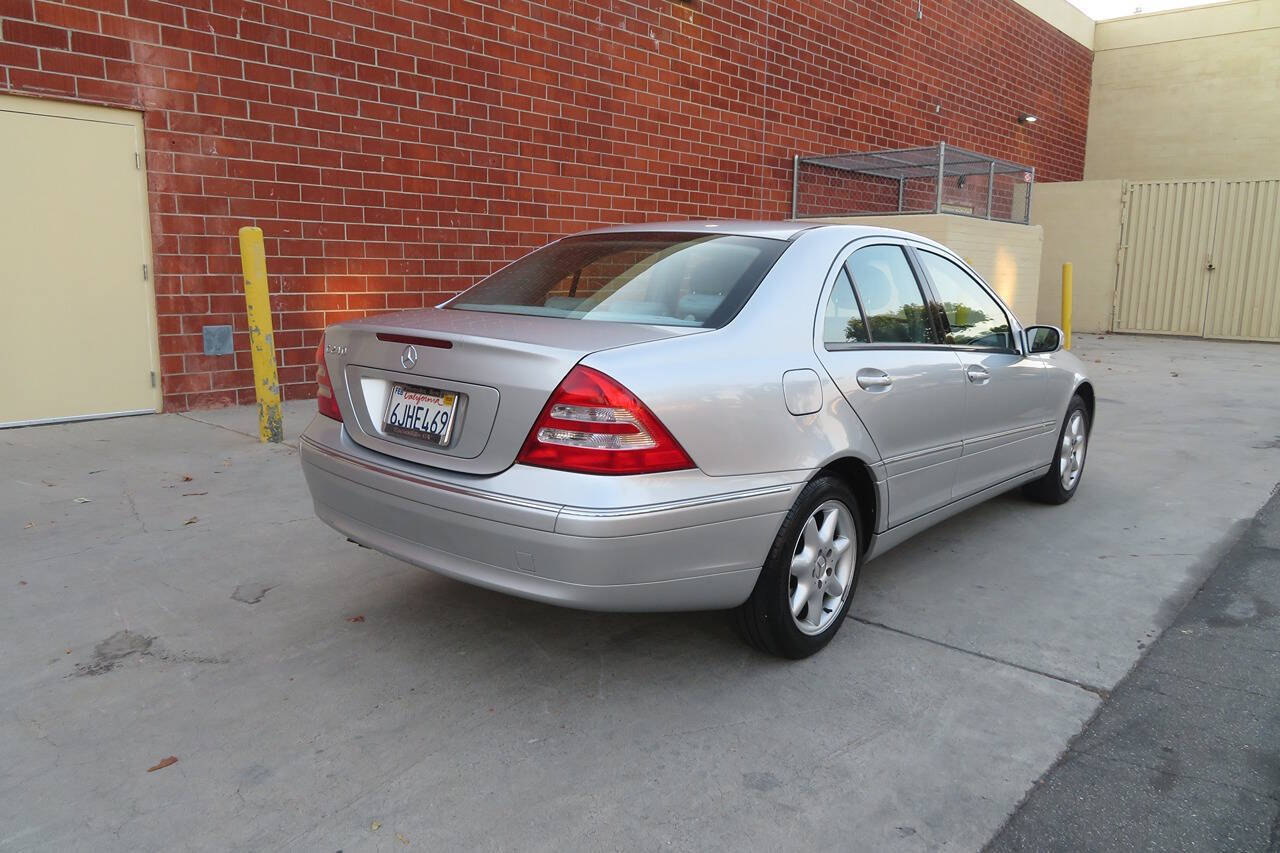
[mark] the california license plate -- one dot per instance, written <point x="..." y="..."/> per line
<point x="422" y="413"/>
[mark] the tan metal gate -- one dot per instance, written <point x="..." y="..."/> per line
<point x="1166" y="237"/>
<point x="1200" y="258"/>
<point x="1244" y="296"/>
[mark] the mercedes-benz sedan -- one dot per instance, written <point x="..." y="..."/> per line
<point x="693" y="416"/>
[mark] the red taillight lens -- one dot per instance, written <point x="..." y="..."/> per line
<point x="325" y="402"/>
<point x="593" y="425"/>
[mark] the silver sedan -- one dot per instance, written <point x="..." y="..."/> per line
<point x="693" y="416"/>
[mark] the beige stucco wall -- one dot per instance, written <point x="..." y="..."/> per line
<point x="1007" y="256"/>
<point x="1190" y="93"/>
<point x="1081" y="222"/>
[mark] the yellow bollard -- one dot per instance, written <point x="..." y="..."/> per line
<point x="257" y="300"/>
<point x="1066" y="305"/>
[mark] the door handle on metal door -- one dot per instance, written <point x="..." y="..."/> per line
<point x="874" y="379"/>
<point x="977" y="374"/>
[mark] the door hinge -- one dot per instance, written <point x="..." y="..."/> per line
<point x="145" y="272"/>
<point x="137" y="161"/>
<point x="153" y="379"/>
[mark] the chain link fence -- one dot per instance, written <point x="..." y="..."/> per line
<point x="937" y="179"/>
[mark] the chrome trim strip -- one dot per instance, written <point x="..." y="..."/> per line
<point x="478" y="494"/>
<point x="916" y="454"/>
<point x="1031" y="428"/>
<point x="575" y="512"/>
<point x="686" y="503"/>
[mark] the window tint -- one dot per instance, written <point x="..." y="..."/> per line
<point x="975" y="319"/>
<point x="675" y="279"/>
<point x="842" y="322"/>
<point x="890" y="296"/>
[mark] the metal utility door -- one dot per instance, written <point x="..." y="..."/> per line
<point x="1244" y="290"/>
<point x="1166" y="242"/>
<point x="77" y="312"/>
<point x="1200" y="258"/>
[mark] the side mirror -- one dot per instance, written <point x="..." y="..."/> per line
<point x="1042" y="339"/>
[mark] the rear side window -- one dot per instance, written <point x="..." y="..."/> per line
<point x="890" y="296"/>
<point x="974" y="319"/>
<point x="664" y="279"/>
<point x="842" y="321"/>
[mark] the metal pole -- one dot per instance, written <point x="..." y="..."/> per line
<point x="991" y="183"/>
<point x="257" y="300"/>
<point x="795" y="186"/>
<point x="942" y="159"/>
<point x="1026" y="219"/>
<point x="901" y="183"/>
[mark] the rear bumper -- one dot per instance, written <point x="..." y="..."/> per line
<point x="698" y="547"/>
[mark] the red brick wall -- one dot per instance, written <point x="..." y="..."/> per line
<point x="393" y="151"/>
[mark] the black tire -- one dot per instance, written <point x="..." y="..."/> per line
<point x="764" y="620"/>
<point x="1049" y="489"/>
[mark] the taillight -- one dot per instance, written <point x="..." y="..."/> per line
<point x="593" y="425"/>
<point x="325" y="401"/>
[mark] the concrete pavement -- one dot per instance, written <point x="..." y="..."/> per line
<point x="1185" y="755"/>
<point x="311" y="690"/>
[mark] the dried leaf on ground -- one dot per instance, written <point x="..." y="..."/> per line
<point x="192" y="520"/>
<point x="193" y="494"/>
<point x="376" y="825"/>
<point x="163" y="763"/>
<point x="402" y="839"/>
<point x="355" y="618"/>
<point x="187" y="478"/>
<point x="84" y="500"/>
<point x="28" y="525"/>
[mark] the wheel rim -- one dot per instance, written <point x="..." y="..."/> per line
<point x="822" y="566"/>
<point x="1071" y="454"/>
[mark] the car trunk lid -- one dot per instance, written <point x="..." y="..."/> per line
<point x="500" y="369"/>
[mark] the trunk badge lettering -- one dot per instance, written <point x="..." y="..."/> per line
<point x="409" y="357"/>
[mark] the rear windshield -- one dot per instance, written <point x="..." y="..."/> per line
<point x="658" y="278"/>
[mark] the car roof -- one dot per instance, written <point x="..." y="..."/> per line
<point x="775" y="229"/>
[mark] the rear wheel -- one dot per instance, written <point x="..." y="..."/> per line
<point x="1063" y="477"/>
<point x="807" y="582"/>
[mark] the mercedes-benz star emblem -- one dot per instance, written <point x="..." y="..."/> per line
<point x="409" y="357"/>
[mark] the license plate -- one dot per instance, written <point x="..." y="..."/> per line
<point x="422" y="413"/>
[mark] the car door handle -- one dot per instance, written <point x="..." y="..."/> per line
<point x="977" y="374"/>
<point x="874" y="379"/>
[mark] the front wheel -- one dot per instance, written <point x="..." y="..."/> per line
<point x="1060" y="482"/>
<point x="807" y="582"/>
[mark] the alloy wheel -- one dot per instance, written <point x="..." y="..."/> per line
<point x="822" y="567"/>
<point x="1071" y="457"/>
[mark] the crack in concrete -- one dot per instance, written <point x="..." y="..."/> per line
<point x="292" y="444"/>
<point x="1100" y="692"/>
<point x="133" y="510"/>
